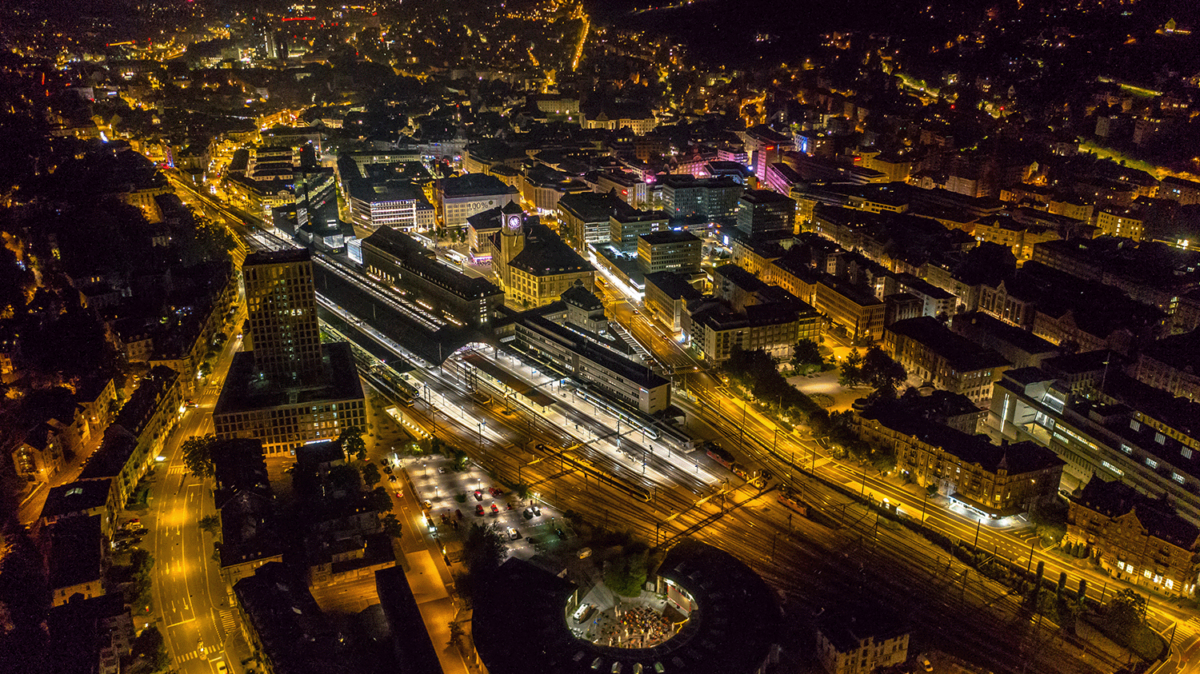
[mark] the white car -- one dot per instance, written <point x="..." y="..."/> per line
<point x="221" y="668"/>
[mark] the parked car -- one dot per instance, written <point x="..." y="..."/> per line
<point x="495" y="510"/>
<point x="537" y="510"/>
<point x="513" y="534"/>
<point x="391" y="478"/>
<point x="478" y="495"/>
<point x="426" y="504"/>
<point x="479" y="509"/>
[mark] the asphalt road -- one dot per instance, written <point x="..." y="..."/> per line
<point x="188" y="591"/>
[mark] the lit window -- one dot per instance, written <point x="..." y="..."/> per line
<point x="1151" y="462"/>
<point x="1178" y="478"/>
<point x="1186" y="452"/>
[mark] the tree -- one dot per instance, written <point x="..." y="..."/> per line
<point x="197" y="455"/>
<point x="150" y="651"/>
<point x="211" y="524"/>
<point x="392" y="526"/>
<point x="483" y="549"/>
<point x="456" y="633"/>
<point x="626" y="574"/>
<point x="1125" y="613"/>
<point x="880" y="371"/>
<point x="141" y="563"/>
<point x="852" y="371"/>
<point x="353" y="443"/>
<point x="806" y="352"/>
<point x="371" y="475"/>
<point x="380" y="500"/>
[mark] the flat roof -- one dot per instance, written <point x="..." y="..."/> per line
<point x="244" y="391"/>
<point x="281" y="256"/>
<point x="765" y="197"/>
<point x="668" y="236"/>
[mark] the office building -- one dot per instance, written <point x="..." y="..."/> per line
<point x="701" y="199"/>
<point x="590" y="360"/>
<point x="625" y="227"/>
<point x="1124" y="430"/>
<point x="853" y="309"/>
<point x="584" y="218"/>
<point x="396" y="258"/>
<point x="717" y="329"/>
<point x="463" y="196"/>
<point x="395" y="204"/>
<point x="667" y="297"/>
<point x="763" y="212"/>
<point x="668" y="250"/>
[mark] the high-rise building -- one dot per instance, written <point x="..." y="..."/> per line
<point x="765" y="212"/>
<point x="282" y="308"/>
<point x="287" y="389"/>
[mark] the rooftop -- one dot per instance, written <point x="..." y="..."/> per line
<point x="283" y="256"/>
<point x="75" y="497"/>
<point x="672" y="285"/>
<point x="545" y="254"/>
<point x="961" y="353"/>
<point x="668" y="236"/>
<point x="1113" y="499"/>
<point x="245" y="391"/>
<point x="847" y="631"/>
<point x="474" y="185"/>
<point x="422" y="262"/>
<point x="294" y="633"/>
<point x="1181" y="352"/>
<point x="765" y="197"/>
<point x="76" y="551"/>
<point x="520" y="626"/>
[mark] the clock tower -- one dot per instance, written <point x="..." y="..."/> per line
<point x="512" y="239"/>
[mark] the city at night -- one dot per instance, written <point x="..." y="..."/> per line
<point x="600" y="337"/>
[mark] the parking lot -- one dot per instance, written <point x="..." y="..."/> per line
<point x="455" y="500"/>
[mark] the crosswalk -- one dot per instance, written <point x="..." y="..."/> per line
<point x="193" y="655"/>
<point x="176" y="469"/>
<point x="228" y="622"/>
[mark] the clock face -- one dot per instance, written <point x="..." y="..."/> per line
<point x="514" y="222"/>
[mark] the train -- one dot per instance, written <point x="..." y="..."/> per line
<point x="791" y="500"/>
<point x="630" y="489"/>
<point x="754" y="476"/>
